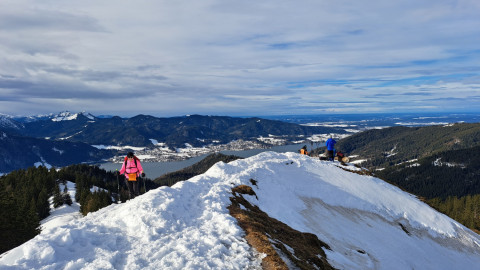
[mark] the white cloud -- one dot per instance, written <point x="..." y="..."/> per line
<point x="212" y="56"/>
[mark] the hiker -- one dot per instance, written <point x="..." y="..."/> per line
<point x="330" y="148"/>
<point x="132" y="169"/>
<point x="304" y="151"/>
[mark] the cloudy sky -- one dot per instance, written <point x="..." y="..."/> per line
<point x="226" y="57"/>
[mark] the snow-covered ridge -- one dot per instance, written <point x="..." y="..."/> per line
<point x="368" y="223"/>
<point x="67" y="116"/>
<point x="7" y="121"/>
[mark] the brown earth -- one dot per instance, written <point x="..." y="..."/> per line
<point x="271" y="237"/>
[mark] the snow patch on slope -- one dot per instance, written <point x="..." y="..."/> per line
<point x="368" y="223"/>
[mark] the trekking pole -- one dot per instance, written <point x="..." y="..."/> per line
<point x="118" y="187"/>
<point x="144" y="184"/>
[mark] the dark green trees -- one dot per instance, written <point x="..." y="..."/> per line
<point x="24" y="197"/>
<point x="24" y="202"/>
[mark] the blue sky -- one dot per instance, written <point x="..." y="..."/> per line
<point x="247" y="58"/>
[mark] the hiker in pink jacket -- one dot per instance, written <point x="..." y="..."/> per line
<point x="132" y="168"/>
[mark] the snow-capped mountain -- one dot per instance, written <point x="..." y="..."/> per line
<point x="7" y="122"/>
<point x="67" y="116"/>
<point x="351" y="221"/>
<point x="61" y="116"/>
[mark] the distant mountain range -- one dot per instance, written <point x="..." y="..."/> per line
<point x="73" y="134"/>
<point x="196" y="130"/>
<point x="18" y="152"/>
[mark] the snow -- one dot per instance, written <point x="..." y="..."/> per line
<point x="422" y="124"/>
<point x="7" y="122"/>
<point x="145" y="157"/>
<point x="101" y="146"/>
<point x="42" y="163"/>
<point x="439" y="163"/>
<point x="391" y="152"/>
<point x="154" y="142"/>
<point x="63" y="214"/>
<point x="188" y="225"/>
<point x="317" y="138"/>
<point x="272" y="139"/>
<point x="68" y="137"/>
<point x="352" y="130"/>
<point x="64" y="116"/>
<point x="58" y="150"/>
<point x="67" y="116"/>
<point x="358" y="161"/>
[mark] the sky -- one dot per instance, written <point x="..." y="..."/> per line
<point x="239" y="58"/>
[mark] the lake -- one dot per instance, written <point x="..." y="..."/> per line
<point x="157" y="169"/>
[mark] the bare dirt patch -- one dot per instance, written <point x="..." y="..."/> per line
<point x="267" y="235"/>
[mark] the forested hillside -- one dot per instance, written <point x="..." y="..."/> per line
<point x="24" y="197"/>
<point x="438" y="163"/>
<point x="22" y="152"/>
<point x="448" y="173"/>
<point x="386" y="147"/>
<point x="24" y="194"/>
<point x="449" y="181"/>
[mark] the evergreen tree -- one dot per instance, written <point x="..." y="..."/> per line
<point x="66" y="196"/>
<point x="57" y="197"/>
<point x="464" y="210"/>
<point x="7" y="225"/>
<point x="18" y="221"/>
<point x="43" y="206"/>
<point x="83" y="201"/>
<point x="95" y="201"/>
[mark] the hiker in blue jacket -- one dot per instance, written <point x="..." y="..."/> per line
<point x="330" y="148"/>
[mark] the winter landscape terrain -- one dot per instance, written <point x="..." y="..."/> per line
<point x="53" y="140"/>
<point x="365" y="223"/>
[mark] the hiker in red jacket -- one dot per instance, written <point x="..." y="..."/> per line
<point x="132" y="169"/>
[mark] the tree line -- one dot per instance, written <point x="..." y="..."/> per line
<point x="24" y="197"/>
<point x="387" y="147"/>
<point x="449" y="181"/>
<point x="465" y="210"/>
<point x="446" y="167"/>
<point x="25" y="193"/>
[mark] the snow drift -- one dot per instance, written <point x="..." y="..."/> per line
<point x="367" y="223"/>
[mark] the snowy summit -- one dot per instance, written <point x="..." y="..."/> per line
<point x="360" y="222"/>
<point x="67" y="116"/>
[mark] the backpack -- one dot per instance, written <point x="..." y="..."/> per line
<point x="134" y="158"/>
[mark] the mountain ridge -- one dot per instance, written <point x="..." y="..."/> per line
<point x="196" y="130"/>
<point x="394" y="145"/>
<point x="367" y="223"/>
<point x="18" y="152"/>
<point x="142" y="131"/>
